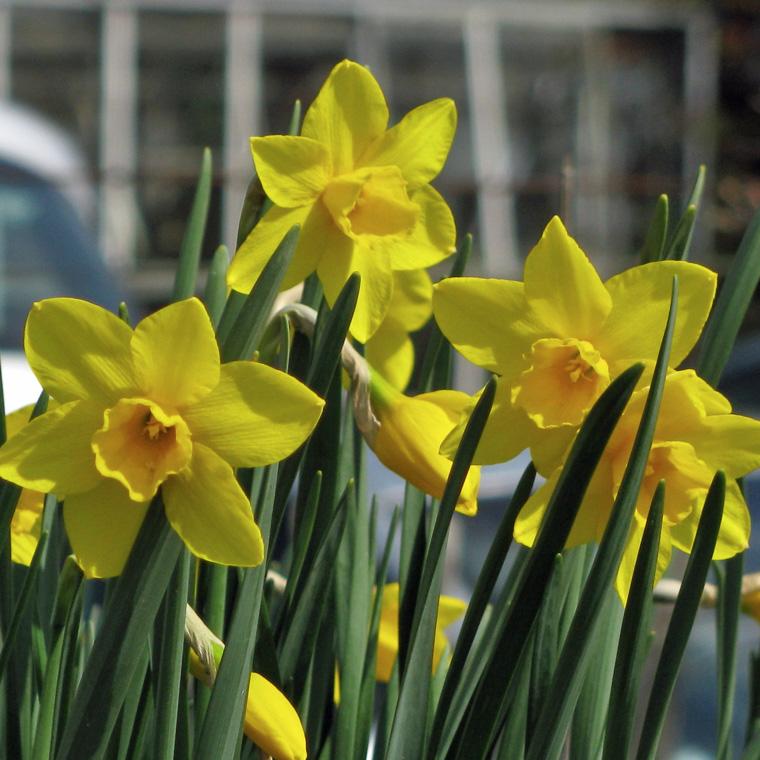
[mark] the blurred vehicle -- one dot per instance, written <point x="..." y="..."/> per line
<point x="46" y="247"/>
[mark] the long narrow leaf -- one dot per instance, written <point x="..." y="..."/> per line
<point x="682" y="619"/>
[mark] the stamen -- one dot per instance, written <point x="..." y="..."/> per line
<point x="152" y="428"/>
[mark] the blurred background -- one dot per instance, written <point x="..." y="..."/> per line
<point x="591" y="109"/>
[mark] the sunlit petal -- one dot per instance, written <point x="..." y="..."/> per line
<point x="418" y="144"/>
<point x="562" y="287"/>
<point x="626" y="340"/>
<point x="53" y="453"/>
<point x="487" y="321"/>
<point x="433" y="236"/>
<point x="176" y="356"/>
<point x="258" y="247"/>
<point x="210" y="512"/>
<point x="391" y="352"/>
<point x="257" y="415"/>
<point x="78" y="350"/>
<point x="102" y="525"/>
<point x="292" y="170"/>
<point x="347" y="115"/>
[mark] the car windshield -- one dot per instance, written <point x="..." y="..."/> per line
<point x="44" y="251"/>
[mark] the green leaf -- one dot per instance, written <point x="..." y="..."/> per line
<point x="681" y="242"/>
<point x="192" y="243"/>
<point x="556" y="712"/>
<point x="634" y="636"/>
<point x="682" y="618"/>
<point x="485" y="714"/>
<point x="731" y="306"/>
<point x="407" y="739"/>
<point x="22" y="606"/>
<point x="251" y="321"/>
<point x="65" y="621"/>
<point x="223" y="721"/>
<point x="169" y="640"/>
<point x="352" y="583"/>
<point x="654" y="243"/>
<point x="215" y="294"/>
<point x="478" y="603"/>
<point x="730" y="574"/>
<point x="118" y="648"/>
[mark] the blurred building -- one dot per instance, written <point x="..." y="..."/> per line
<point x="622" y="95"/>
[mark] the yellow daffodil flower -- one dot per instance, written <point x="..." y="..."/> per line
<point x="270" y="721"/>
<point x="751" y="604"/>
<point x="696" y="435"/>
<point x="359" y="191"/>
<point x="144" y="408"/>
<point x="25" y="523"/>
<point x="558" y="339"/>
<point x="410" y="434"/>
<point x="390" y="350"/>
<point x="450" y="610"/>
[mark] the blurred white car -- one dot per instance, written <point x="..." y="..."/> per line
<point x="46" y="247"/>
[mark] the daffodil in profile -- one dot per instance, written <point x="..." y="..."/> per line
<point x="558" y="339"/>
<point x="270" y="722"/>
<point x="409" y="437"/>
<point x="359" y="190"/>
<point x="696" y="435"/>
<point x="450" y="609"/>
<point x="390" y="350"/>
<point x="147" y="408"/>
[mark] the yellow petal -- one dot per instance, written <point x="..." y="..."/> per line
<point x="410" y="435"/>
<point x="487" y="321"/>
<point x="176" y="356"/>
<point x="292" y="170"/>
<point x="450" y="609"/>
<point x="25" y="526"/>
<point x="260" y="244"/>
<point x="375" y="292"/>
<point x="624" y="340"/>
<point x="549" y="448"/>
<point x="53" y="452"/>
<point x="508" y="431"/>
<point x="412" y="302"/>
<point x="347" y="115"/>
<point x="562" y="287"/>
<point x="78" y="350"/>
<point x="418" y="144"/>
<point x="387" y="633"/>
<point x="733" y="536"/>
<point x="433" y="236"/>
<point x="210" y="512"/>
<point x="257" y="415"/>
<point x="102" y="525"/>
<point x="728" y="442"/>
<point x="628" y="563"/>
<point x="390" y="351"/>
<point x="271" y="722"/>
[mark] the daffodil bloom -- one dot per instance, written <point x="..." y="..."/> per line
<point x="147" y="408"/>
<point x="450" y="610"/>
<point x="270" y="722"/>
<point x="410" y="434"/>
<point x="359" y="191"/>
<point x="390" y="350"/>
<point x="695" y="436"/>
<point x="558" y="339"/>
<point x="751" y="604"/>
<point x="25" y="523"/>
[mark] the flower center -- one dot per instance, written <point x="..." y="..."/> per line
<point x="371" y="201"/>
<point x="140" y="445"/>
<point x="563" y="380"/>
